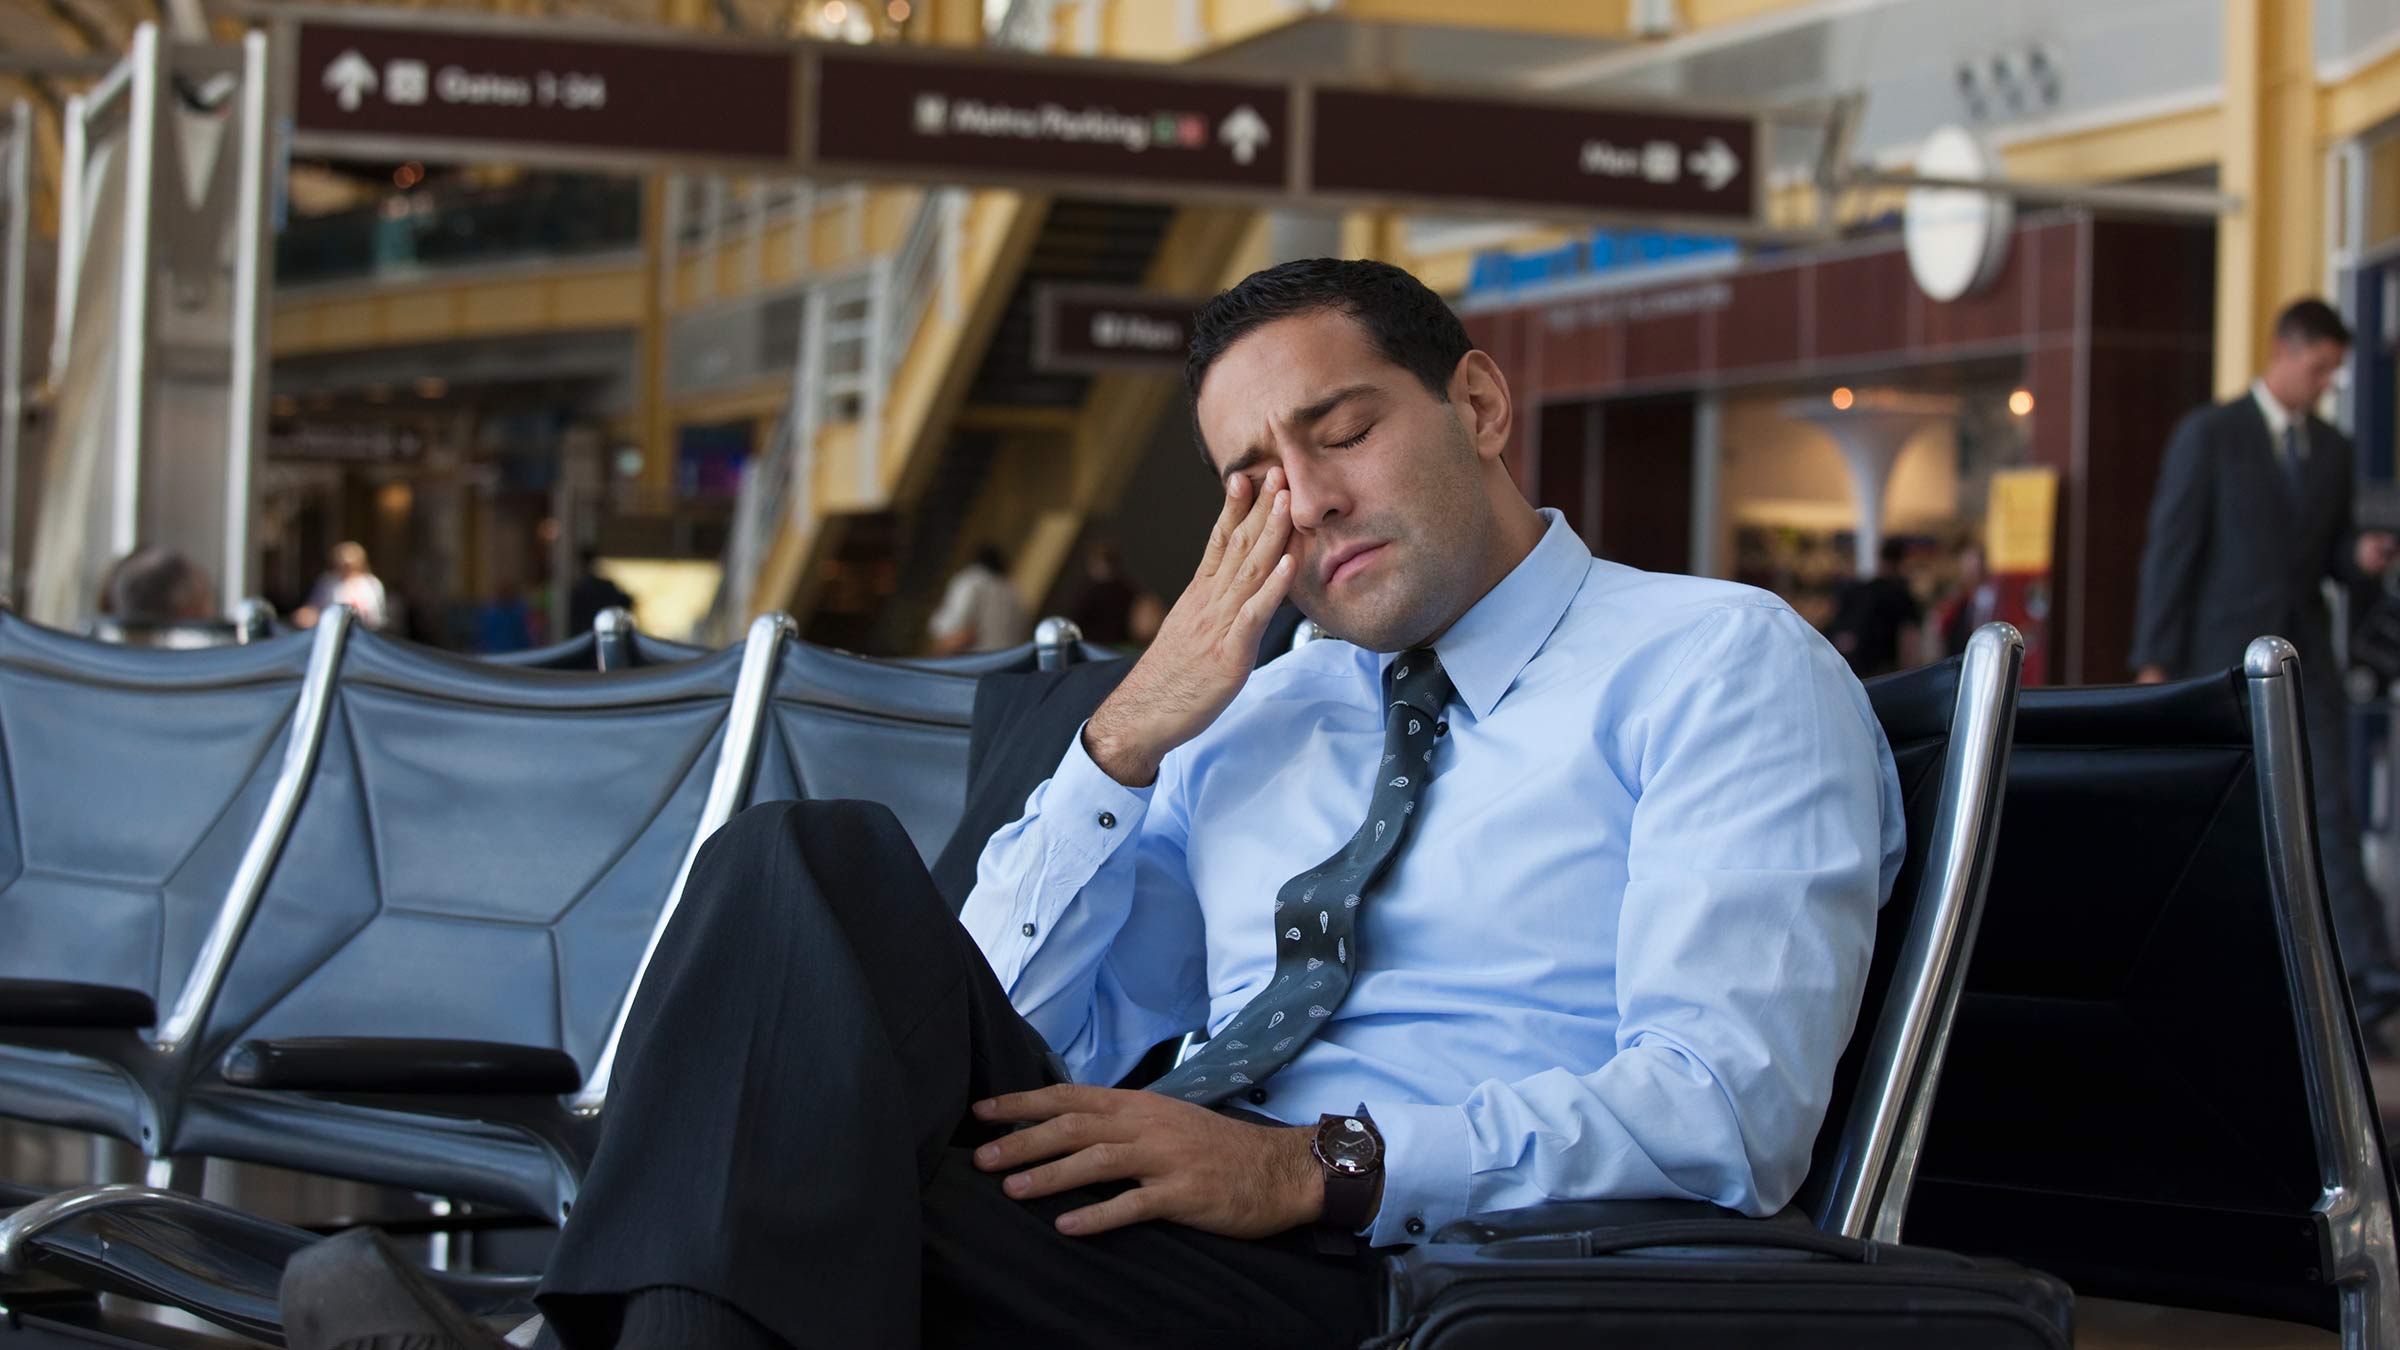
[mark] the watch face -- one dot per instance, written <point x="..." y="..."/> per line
<point x="1345" y="1144"/>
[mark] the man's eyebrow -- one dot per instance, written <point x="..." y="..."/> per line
<point x="1306" y="415"/>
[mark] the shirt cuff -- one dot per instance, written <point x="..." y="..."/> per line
<point x="1425" y="1166"/>
<point x="1086" y="810"/>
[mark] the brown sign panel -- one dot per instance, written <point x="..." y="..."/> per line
<point x="1552" y="156"/>
<point x="1094" y="328"/>
<point x="451" y="87"/>
<point x="980" y="120"/>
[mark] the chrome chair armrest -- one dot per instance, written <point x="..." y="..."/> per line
<point x="208" y="1259"/>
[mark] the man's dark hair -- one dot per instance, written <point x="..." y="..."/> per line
<point x="1413" y="327"/>
<point x="1894" y="552"/>
<point x="156" y="586"/>
<point x="2311" y="321"/>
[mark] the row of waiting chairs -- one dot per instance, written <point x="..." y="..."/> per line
<point x="2149" y="1083"/>
<point x="217" y="859"/>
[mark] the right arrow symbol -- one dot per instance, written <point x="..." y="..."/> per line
<point x="1716" y="163"/>
<point x="350" y="77"/>
<point x="1245" y="131"/>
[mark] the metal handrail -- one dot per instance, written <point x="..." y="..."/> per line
<point x="310" y="714"/>
<point x="2354" y="1205"/>
<point x="745" y="719"/>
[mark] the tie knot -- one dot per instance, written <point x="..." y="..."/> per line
<point x="1418" y="680"/>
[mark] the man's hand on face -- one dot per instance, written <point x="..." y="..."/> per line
<point x="1208" y="641"/>
<point x="1194" y="1166"/>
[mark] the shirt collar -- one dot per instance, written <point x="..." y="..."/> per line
<point x="1492" y="643"/>
<point x="2278" y="417"/>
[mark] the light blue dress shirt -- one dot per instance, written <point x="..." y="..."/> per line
<point x="1619" y="955"/>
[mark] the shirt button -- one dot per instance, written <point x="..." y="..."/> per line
<point x="1258" y="1096"/>
<point x="1441" y="728"/>
<point x="1027" y="930"/>
<point x="1415" y="1226"/>
<point x="1108" y="820"/>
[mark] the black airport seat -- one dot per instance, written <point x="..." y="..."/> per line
<point x="611" y="643"/>
<point x="1057" y="643"/>
<point x="896" y="732"/>
<point x="429" y="990"/>
<point x="146" y="792"/>
<point x="2156" y="1090"/>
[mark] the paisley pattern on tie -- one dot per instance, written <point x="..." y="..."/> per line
<point x="1419" y="690"/>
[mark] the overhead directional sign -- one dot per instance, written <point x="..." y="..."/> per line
<point x="421" y="91"/>
<point x="875" y="111"/>
<point x="1083" y="329"/>
<point x="407" y="83"/>
<point x="1546" y="155"/>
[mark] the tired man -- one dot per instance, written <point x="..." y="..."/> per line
<point x="1548" y="879"/>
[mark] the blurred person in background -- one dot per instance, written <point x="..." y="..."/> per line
<point x="1873" y="617"/>
<point x="980" y="611"/>
<point x="504" y="623"/>
<point x="347" y="581"/>
<point x="1974" y="601"/>
<point x="1114" y="611"/>
<point x="2252" y="511"/>
<point x="592" y="593"/>
<point x="158" y="597"/>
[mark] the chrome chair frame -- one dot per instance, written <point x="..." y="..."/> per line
<point x="612" y="638"/>
<point x="1884" y="1132"/>
<point x="727" y="789"/>
<point x="2354" y="1210"/>
<point x="161" y="1066"/>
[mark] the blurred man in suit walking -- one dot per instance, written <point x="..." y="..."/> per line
<point x="2253" y="511"/>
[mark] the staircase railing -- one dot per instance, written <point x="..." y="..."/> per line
<point x="855" y="328"/>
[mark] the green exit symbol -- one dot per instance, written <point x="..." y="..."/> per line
<point x="1162" y="129"/>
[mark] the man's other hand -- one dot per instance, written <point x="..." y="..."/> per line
<point x="1191" y="1165"/>
<point x="1208" y="641"/>
<point x="2376" y="549"/>
<point x="2150" y="675"/>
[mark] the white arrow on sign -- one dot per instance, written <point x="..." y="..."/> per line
<point x="351" y="77"/>
<point x="1716" y="163"/>
<point x="1245" y="131"/>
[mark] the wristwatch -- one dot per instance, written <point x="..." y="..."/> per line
<point x="1350" y="1150"/>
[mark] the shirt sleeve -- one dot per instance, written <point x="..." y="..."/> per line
<point x="1086" y="912"/>
<point x="1766" y="833"/>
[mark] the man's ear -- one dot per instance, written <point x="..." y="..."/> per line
<point x="1479" y="394"/>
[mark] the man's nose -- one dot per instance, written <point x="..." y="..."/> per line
<point x="1316" y="495"/>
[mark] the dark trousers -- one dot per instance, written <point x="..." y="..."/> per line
<point x="2359" y="925"/>
<point x="788" y="1132"/>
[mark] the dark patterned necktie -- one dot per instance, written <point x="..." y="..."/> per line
<point x="2295" y="457"/>
<point x="1316" y="913"/>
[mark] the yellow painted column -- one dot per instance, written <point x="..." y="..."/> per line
<point x="2270" y="251"/>
<point x="654" y="414"/>
<point x="1372" y="234"/>
<point x="946" y="23"/>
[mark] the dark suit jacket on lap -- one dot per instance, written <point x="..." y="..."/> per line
<point x="2233" y="551"/>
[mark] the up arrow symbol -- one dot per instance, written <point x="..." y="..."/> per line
<point x="1716" y="163"/>
<point x="351" y="77"/>
<point x="1245" y="131"/>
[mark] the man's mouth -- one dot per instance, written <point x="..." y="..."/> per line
<point x="1350" y="559"/>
